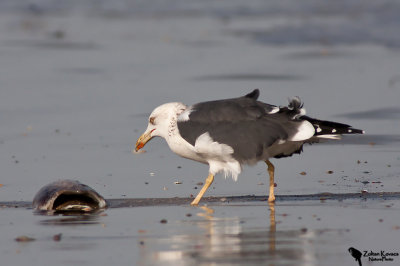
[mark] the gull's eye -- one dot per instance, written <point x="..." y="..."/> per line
<point x="152" y="120"/>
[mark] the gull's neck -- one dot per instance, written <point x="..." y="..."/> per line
<point x="174" y="139"/>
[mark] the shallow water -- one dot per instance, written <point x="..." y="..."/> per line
<point x="77" y="84"/>
<point x="292" y="233"/>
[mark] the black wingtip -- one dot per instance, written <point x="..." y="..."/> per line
<point x="253" y="95"/>
<point x="355" y="131"/>
<point x="323" y="127"/>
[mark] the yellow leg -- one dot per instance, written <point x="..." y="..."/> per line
<point x="272" y="228"/>
<point x="208" y="183"/>
<point x="271" y="170"/>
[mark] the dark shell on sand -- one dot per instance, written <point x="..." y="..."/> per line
<point x="68" y="195"/>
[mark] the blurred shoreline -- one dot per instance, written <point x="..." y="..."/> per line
<point x="287" y="22"/>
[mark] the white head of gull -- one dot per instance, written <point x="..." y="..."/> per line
<point x="226" y="134"/>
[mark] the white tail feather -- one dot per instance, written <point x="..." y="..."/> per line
<point x="331" y="136"/>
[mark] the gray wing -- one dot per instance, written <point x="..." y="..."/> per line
<point x="245" y="124"/>
<point x="242" y="108"/>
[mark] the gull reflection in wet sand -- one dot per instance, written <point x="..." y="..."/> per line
<point x="213" y="240"/>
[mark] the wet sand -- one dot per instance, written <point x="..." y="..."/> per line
<point x="78" y="82"/>
<point x="176" y="201"/>
<point x="243" y="230"/>
<point x="235" y="233"/>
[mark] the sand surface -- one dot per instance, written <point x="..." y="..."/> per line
<point x="78" y="81"/>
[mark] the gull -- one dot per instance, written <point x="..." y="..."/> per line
<point x="229" y="133"/>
